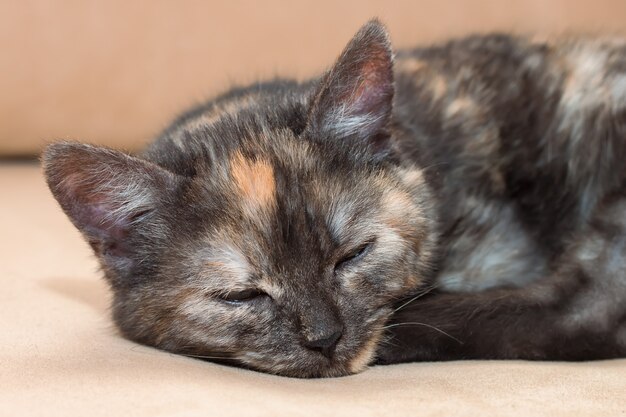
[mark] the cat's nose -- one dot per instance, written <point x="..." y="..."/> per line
<point x="325" y="343"/>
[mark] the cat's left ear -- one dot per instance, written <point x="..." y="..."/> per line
<point x="354" y="99"/>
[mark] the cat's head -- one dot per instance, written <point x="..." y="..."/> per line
<point x="277" y="249"/>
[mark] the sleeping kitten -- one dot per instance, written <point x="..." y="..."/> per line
<point x="466" y="200"/>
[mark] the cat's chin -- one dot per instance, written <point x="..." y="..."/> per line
<point x="305" y="366"/>
<point x="333" y="370"/>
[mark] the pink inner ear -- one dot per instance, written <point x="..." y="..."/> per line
<point x="373" y="90"/>
<point x="95" y="211"/>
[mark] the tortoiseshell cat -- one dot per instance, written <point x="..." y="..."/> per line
<point x="466" y="200"/>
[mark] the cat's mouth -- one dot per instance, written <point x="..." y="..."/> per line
<point x="352" y="355"/>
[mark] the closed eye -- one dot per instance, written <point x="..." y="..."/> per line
<point x="353" y="256"/>
<point x="242" y="296"/>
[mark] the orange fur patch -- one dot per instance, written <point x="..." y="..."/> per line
<point x="366" y="355"/>
<point x="254" y="180"/>
<point x="398" y="204"/>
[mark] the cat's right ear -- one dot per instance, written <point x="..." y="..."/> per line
<point x="353" y="100"/>
<point x="108" y="195"/>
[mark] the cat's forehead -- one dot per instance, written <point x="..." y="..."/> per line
<point x="277" y="200"/>
<point x="297" y="182"/>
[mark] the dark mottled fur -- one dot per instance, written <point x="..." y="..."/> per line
<point x="466" y="200"/>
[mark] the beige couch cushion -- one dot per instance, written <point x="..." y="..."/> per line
<point x="115" y="72"/>
<point x="61" y="356"/>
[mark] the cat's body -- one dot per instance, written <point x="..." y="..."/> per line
<point x="469" y="203"/>
<point x="529" y="140"/>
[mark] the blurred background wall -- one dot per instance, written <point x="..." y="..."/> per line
<point x="115" y="72"/>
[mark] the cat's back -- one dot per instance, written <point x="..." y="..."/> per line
<point x="509" y="102"/>
<point x="525" y="136"/>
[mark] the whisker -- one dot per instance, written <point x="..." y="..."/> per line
<point x="418" y="296"/>
<point x="415" y="323"/>
<point x="387" y="342"/>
